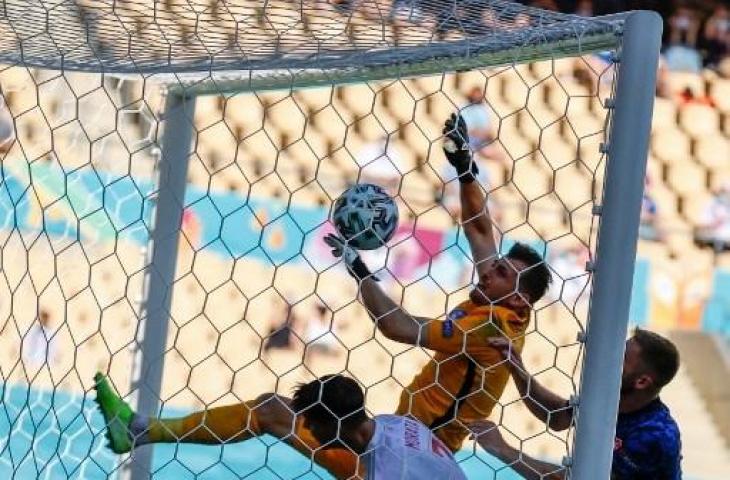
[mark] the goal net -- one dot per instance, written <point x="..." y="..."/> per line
<point x="168" y="171"/>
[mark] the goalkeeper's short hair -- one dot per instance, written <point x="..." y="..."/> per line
<point x="536" y="278"/>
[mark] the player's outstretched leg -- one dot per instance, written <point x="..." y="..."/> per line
<point x="268" y="413"/>
<point x="117" y="415"/>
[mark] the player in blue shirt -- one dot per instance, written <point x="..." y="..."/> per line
<point x="647" y="444"/>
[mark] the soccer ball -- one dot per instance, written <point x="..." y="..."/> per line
<point x="366" y="216"/>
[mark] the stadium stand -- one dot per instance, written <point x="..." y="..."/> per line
<point x="704" y="449"/>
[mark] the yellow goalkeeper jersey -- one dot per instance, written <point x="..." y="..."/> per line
<point x="466" y="377"/>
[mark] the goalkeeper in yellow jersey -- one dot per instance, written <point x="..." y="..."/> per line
<point x="460" y="385"/>
<point x="466" y="376"/>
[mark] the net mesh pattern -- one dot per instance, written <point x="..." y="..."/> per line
<point x="258" y="303"/>
<point x="177" y="36"/>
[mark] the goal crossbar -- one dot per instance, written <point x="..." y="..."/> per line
<point x="470" y="56"/>
<point x="210" y="55"/>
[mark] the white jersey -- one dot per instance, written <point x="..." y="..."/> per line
<point x="405" y="449"/>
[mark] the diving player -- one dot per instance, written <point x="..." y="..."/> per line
<point x="466" y="376"/>
<point x="331" y="409"/>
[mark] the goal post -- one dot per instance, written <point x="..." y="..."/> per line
<point x="187" y="54"/>
<point x="627" y="149"/>
<point x="169" y="200"/>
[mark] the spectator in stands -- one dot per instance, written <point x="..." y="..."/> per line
<point x="380" y="163"/>
<point x="38" y="344"/>
<point x="7" y="127"/>
<point x="688" y="96"/>
<point x="570" y="266"/>
<point x="522" y="20"/>
<point x="716" y="38"/>
<point x="280" y="335"/>
<point x="648" y="228"/>
<point x="343" y="6"/>
<point x="714" y="230"/>
<point x="545" y="4"/>
<point x="594" y="72"/>
<point x="684" y="27"/>
<point x="647" y="443"/>
<point x="690" y="25"/>
<point x="476" y="115"/>
<point x="191" y="227"/>
<point x="319" y="336"/>
<point x="663" y="85"/>
<point x="584" y="8"/>
<point x="461" y="17"/>
<point x="681" y="54"/>
<point x="408" y="11"/>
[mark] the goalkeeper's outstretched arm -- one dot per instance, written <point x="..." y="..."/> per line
<point x="477" y="223"/>
<point x="475" y="217"/>
<point x="552" y="409"/>
<point x="392" y="321"/>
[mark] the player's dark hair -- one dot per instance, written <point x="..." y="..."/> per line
<point x="331" y="398"/>
<point x="534" y="280"/>
<point x="659" y="355"/>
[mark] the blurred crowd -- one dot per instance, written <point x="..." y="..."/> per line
<point x="696" y="32"/>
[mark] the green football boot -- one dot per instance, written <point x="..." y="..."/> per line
<point x="117" y="415"/>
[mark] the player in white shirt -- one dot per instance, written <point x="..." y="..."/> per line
<point x="390" y="447"/>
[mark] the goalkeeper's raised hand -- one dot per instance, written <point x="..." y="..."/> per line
<point x="456" y="148"/>
<point x="355" y="265"/>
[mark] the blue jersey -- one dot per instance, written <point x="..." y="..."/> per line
<point x="647" y="445"/>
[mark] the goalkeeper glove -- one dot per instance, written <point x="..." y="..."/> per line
<point x="355" y="266"/>
<point x="456" y="149"/>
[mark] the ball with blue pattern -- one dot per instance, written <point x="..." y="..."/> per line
<point x="366" y="216"/>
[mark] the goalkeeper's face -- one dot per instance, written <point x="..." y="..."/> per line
<point x="498" y="284"/>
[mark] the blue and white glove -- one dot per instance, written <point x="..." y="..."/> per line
<point x="355" y="265"/>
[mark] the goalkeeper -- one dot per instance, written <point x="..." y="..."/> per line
<point x="466" y="377"/>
